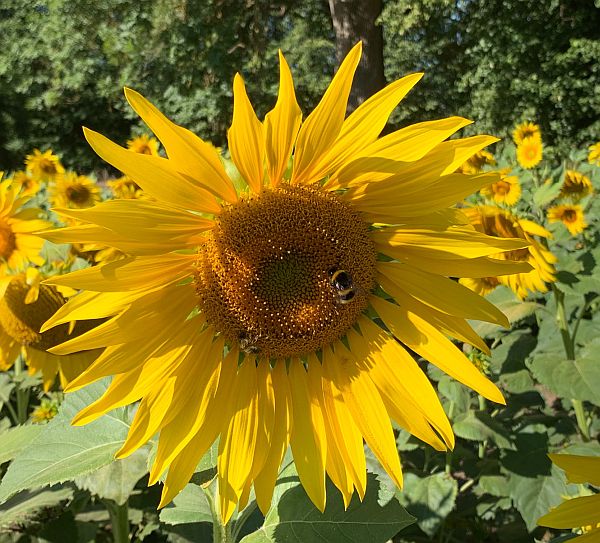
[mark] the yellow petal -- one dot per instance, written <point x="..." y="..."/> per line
<point x="238" y="442"/>
<point x="154" y="174"/>
<point x="574" y="513"/>
<point x="190" y="154"/>
<point x="322" y="127"/>
<point x="424" y="339"/>
<point x="364" y="124"/>
<point x="246" y="138"/>
<point x="580" y="469"/>
<point x="438" y="292"/>
<point x="282" y="125"/>
<point x="308" y="432"/>
<point x="364" y="403"/>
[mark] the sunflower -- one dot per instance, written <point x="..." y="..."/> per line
<point x="505" y="191"/>
<point x="475" y="163"/>
<point x="74" y="191"/>
<point x="25" y="182"/>
<point x="570" y="215"/>
<point x="498" y="222"/>
<point x="125" y="188"/>
<point x="44" y="166"/>
<point x="481" y="285"/>
<point x="576" y="186"/>
<point x="529" y="152"/>
<point x="24" y="306"/>
<point x="582" y="512"/>
<point x="44" y="412"/>
<point x="143" y="144"/>
<point x="257" y="306"/>
<point x="594" y="154"/>
<point x="18" y="246"/>
<point x="526" y="130"/>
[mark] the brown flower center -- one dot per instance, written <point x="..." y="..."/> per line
<point x="8" y="241"/>
<point x="285" y="272"/>
<point x="78" y="194"/>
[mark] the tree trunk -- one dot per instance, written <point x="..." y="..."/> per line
<point x="354" y="20"/>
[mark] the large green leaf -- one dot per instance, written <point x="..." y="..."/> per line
<point x="189" y="506"/>
<point x="577" y="379"/>
<point x="429" y="499"/>
<point x="544" y="194"/>
<point x="294" y="519"/>
<point x="117" y="480"/>
<point x="61" y="452"/>
<point x="15" y="439"/>
<point x="479" y="426"/>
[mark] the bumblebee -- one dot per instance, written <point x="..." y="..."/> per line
<point x="342" y="285"/>
<point x="248" y="343"/>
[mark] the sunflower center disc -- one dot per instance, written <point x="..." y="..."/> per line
<point x="77" y="194"/>
<point x="285" y="272"/>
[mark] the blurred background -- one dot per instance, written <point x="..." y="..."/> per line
<point x="63" y="64"/>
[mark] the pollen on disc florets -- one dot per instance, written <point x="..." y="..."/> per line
<point x="264" y="275"/>
<point x="23" y="321"/>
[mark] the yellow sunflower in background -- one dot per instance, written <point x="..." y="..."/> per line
<point x="475" y="163"/>
<point x="570" y="215"/>
<point x="481" y="285"/>
<point x="125" y="188"/>
<point x="26" y="184"/>
<point x="44" y="412"/>
<point x="74" y="191"/>
<point x="24" y="306"/>
<point x="498" y="222"/>
<point x="524" y="131"/>
<point x="583" y="512"/>
<point x="143" y="144"/>
<point x="594" y="154"/>
<point x="507" y="190"/>
<point x="18" y="246"/>
<point x="254" y="304"/>
<point x="576" y="186"/>
<point x="529" y="152"/>
<point x="44" y="166"/>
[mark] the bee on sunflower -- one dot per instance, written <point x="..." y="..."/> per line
<point x="257" y="304"/>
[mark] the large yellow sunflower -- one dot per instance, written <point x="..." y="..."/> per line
<point x="248" y="316"/>
<point x="18" y="246"/>
<point x="24" y="306"/>
<point x="507" y="190"/>
<point x="74" y="191"/>
<point x="494" y="221"/>
<point x="582" y="513"/>
<point x="526" y="130"/>
<point x="576" y="186"/>
<point x="570" y="215"/>
<point x="529" y="152"/>
<point x="44" y="166"/>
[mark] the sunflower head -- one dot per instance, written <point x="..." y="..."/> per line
<point x="481" y="285"/>
<point x="570" y="215"/>
<point x="529" y="152"/>
<point x="501" y="223"/>
<point x="44" y="412"/>
<point x="594" y="154"/>
<point x="505" y="191"/>
<point x="74" y="191"/>
<point x="476" y="163"/>
<point x="44" y="166"/>
<point x="260" y="278"/>
<point x="576" y="186"/>
<point x="125" y="188"/>
<point x="526" y="130"/>
<point x="144" y="144"/>
<point x="27" y="184"/>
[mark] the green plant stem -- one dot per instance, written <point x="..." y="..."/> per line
<point x="242" y="518"/>
<point x="119" y="519"/>
<point x="569" y="345"/>
<point x="22" y="395"/>
<point x="221" y="532"/>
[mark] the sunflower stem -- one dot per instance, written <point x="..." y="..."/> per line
<point x="222" y="533"/>
<point x="119" y="520"/>
<point x="569" y="345"/>
<point x="22" y="395"/>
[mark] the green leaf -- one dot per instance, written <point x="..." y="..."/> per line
<point x="577" y="379"/>
<point x="117" y="480"/>
<point x="495" y="485"/>
<point x="189" y="506"/>
<point x="28" y="505"/>
<point x="6" y="386"/>
<point x="429" y="499"/>
<point x="15" y="439"/>
<point x="545" y="194"/>
<point x="479" y="426"/>
<point x="61" y="452"/>
<point x="294" y="519"/>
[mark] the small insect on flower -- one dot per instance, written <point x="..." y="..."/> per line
<point x="342" y="285"/>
